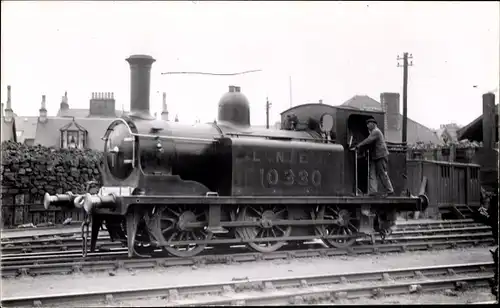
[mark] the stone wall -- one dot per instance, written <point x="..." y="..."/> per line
<point x="28" y="172"/>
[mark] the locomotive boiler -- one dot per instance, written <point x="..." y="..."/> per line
<point x="180" y="187"/>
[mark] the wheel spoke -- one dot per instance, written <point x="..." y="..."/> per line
<point x="172" y="237"/>
<point x="172" y="211"/>
<point x="256" y="211"/>
<point x="281" y="229"/>
<point x="279" y="212"/>
<point x="274" y="233"/>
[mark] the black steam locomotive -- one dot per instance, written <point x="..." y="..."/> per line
<point x="182" y="187"/>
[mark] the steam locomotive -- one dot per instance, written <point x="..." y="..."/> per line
<point x="179" y="187"/>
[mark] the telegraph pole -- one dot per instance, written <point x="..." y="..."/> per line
<point x="268" y="106"/>
<point x="405" y="65"/>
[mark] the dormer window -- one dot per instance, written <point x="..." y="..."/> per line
<point x="73" y="136"/>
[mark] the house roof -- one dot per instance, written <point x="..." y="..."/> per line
<point x="363" y="102"/>
<point x="73" y="112"/>
<point x="474" y="130"/>
<point x="26" y="125"/>
<point x="48" y="133"/>
<point x="73" y="126"/>
<point x="83" y="113"/>
<point x="416" y="131"/>
<point x="8" y="130"/>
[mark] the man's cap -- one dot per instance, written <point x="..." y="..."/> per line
<point x="372" y="120"/>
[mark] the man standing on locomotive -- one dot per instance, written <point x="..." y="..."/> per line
<point x="379" y="157"/>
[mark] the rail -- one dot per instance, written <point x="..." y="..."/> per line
<point x="421" y="279"/>
<point x="72" y="262"/>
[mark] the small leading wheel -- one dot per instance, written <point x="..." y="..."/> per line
<point x="265" y="214"/>
<point x="173" y="224"/>
<point x="346" y="225"/>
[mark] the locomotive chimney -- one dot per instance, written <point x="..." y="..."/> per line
<point x="140" y="82"/>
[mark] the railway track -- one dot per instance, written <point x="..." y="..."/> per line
<point x="67" y="263"/>
<point x="114" y="248"/>
<point x="53" y="244"/>
<point x="330" y="288"/>
<point x="10" y="237"/>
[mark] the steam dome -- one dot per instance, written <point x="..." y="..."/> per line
<point x="234" y="108"/>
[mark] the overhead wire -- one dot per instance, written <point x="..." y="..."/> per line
<point x="211" y="74"/>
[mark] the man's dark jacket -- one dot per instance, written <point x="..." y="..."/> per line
<point x="377" y="142"/>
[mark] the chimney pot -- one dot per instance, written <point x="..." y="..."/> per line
<point x="140" y="85"/>
<point x="9" y="113"/>
<point x="43" y="102"/>
<point x="9" y="103"/>
<point x="164" y="110"/>
<point x="43" y="111"/>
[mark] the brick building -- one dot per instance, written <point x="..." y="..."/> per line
<point x="71" y="127"/>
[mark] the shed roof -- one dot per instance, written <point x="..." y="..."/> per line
<point x="474" y="130"/>
<point x="416" y="131"/>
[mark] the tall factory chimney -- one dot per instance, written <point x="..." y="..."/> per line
<point x="140" y="83"/>
<point x="489" y="127"/>
<point x="489" y="157"/>
<point x="392" y="117"/>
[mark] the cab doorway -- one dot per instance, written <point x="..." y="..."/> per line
<point x="357" y="132"/>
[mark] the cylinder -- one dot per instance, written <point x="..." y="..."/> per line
<point x="140" y="84"/>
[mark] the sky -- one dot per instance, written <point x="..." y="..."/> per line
<point x="329" y="50"/>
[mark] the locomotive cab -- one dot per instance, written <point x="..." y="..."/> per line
<point x="357" y="131"/>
